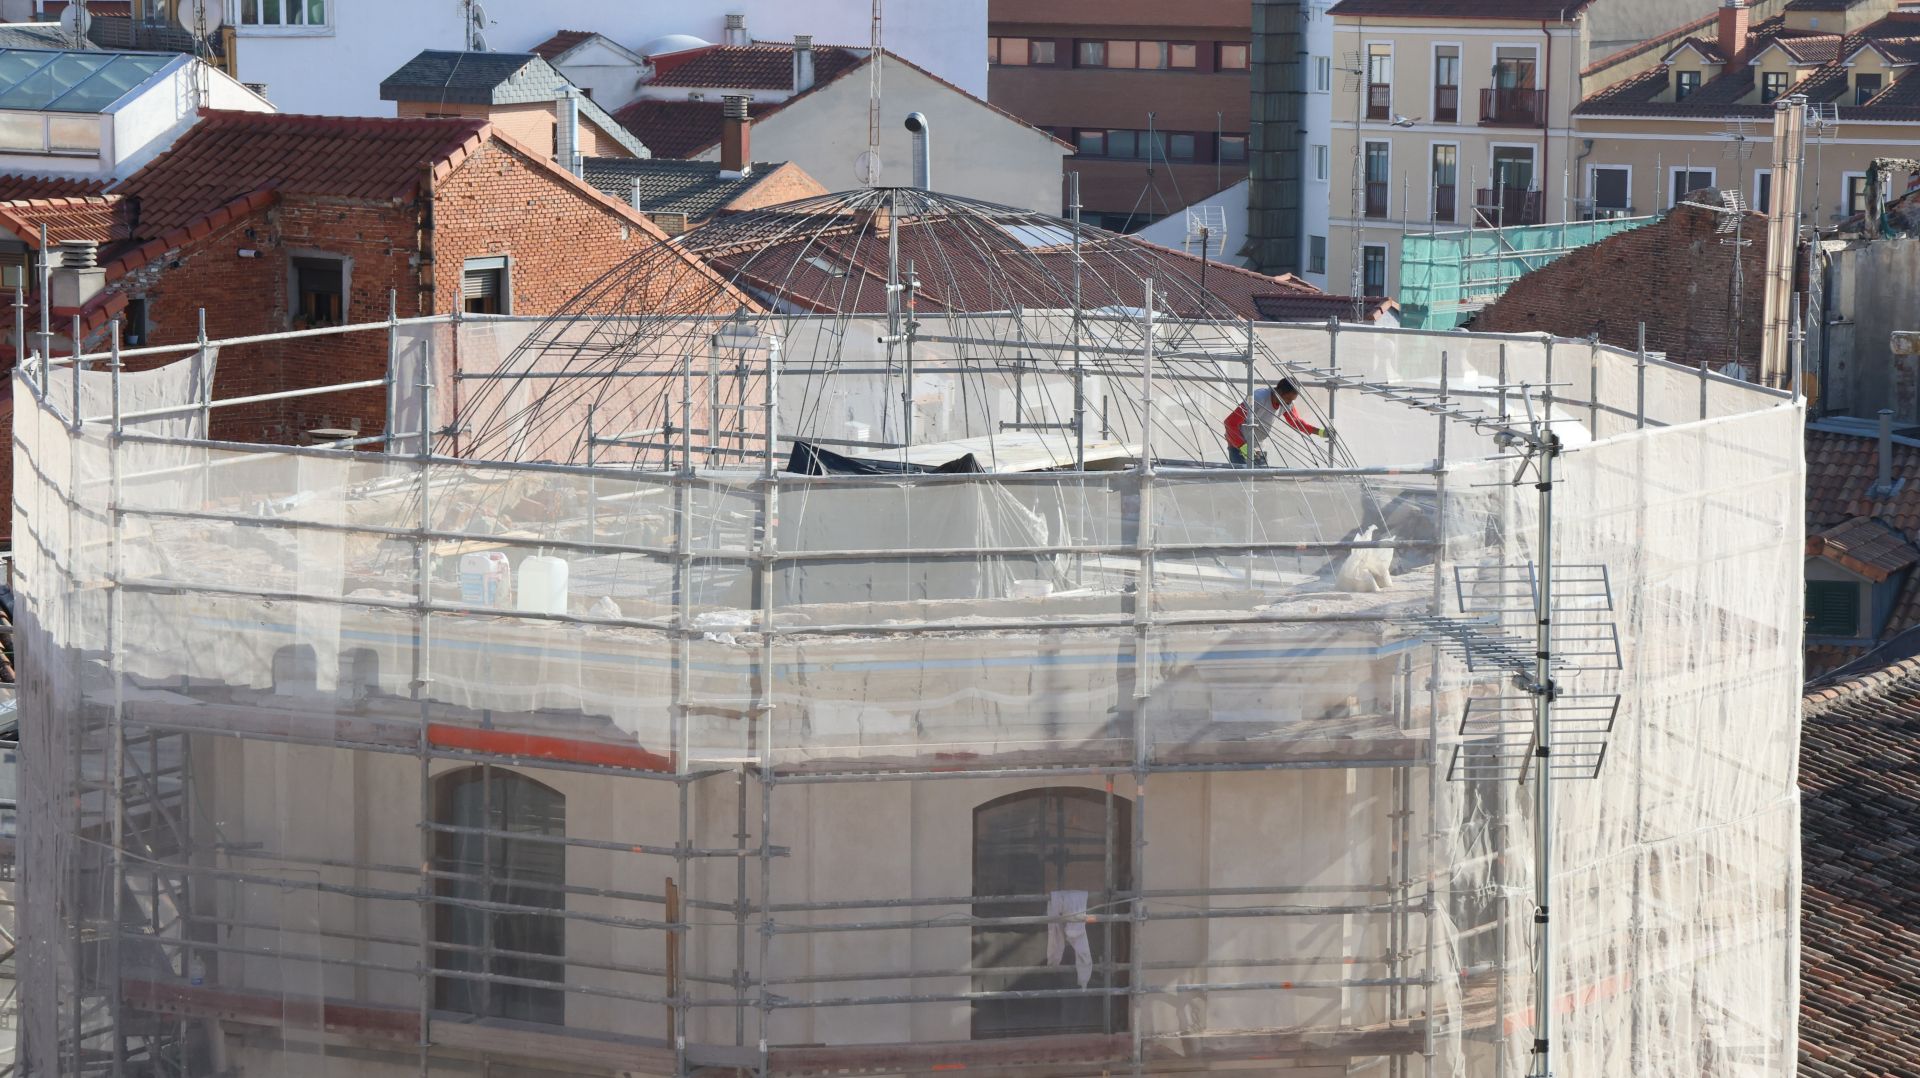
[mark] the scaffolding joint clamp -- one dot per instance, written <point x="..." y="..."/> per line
<point x="1540" y="916"/>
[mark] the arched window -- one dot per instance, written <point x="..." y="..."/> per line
<point x="1033" y="852"/>
<point x="484" y="812"/>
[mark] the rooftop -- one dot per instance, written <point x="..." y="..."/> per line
<point x="1860" y="890"/>
<point x="562" y="43"/>
<point x="657" y="185"/>
<point x="763" y="65"/>
<point x="495" y="78"/>
<point x="1732" y="92"/>
<point x="680" y="128"/>
<point x="1865" y="546"/>
<point x="1843" y="463"/>
<point x="1524" y="10"/>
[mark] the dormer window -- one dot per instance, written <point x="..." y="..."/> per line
<point x="1684" y="84"/>
<point x="1773" y="86"/>
<point x="1865" y="86"/>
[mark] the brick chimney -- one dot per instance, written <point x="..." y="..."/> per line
<point x="802" y="63"/>
<point x="1733" y="29"/>
<point x="736" y="135"/>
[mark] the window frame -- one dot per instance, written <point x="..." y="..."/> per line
<point x="1052" y="47"/>
<point x="1317" y="254"/>
<point x="282" y="28"/>
<point x="1847" y="182"/>
<point x="1367" y="58"/>
<point x="1367" y="158"/>
<point x="1083" y="47"/>
<point x="1879" y="77"/>
<point x="296" y="295"/>
<point x="1762" y="204"/>
<point x="1593" y="186"/>
<point x="1774" y="85"/>
<point x="1128" y="48"/>
<point x="1366" y="252"/>
<point x="1493" y="164"/>
<point x="1220" y="142"/>
<point x="501" y="264"/>
<point x="1081" y="134"/>
<point x="1434" y="83"/>
<point x="1322" y="162"/>
<point x="1674" y="194"/>
<point x="1220" y="56"/>
<point x="1173" y="139"/>
<point x="1433" y="187"/>
<point x="136" y="326"/>
<point x="1192" y="53"/>
<point x="1112" y="941"/>
<point x="1690" y="88"/>
<point x="1323" y="74"/>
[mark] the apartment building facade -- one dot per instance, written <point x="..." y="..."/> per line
<point x="1702" y="117"/>
<point x="1154" y="98"/>
<point x="1448" y="109"/>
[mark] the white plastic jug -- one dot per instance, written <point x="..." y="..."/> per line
<point x="543" y="585"/>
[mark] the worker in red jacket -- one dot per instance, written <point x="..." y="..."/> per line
<point x="1252" y="422"/>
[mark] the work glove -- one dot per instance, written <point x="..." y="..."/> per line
<point x="1327" y="433"/>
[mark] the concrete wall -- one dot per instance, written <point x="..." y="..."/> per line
<point x="1875" y="289"/>
<point x="978" y="151"/>
<point x="337" y="68"/>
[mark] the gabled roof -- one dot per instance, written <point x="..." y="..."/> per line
<point x="688" y="128"/>
<point x="695" y="188"/>
<point x="474" y="78"/>
<point x="1860" y="876"/>
<point x="1843" y="464"/>
<point x="17" y="185"/>
<point x="1707" y="50"/>
<point x="1864" y="546"/>
<point x="1830" y="80"/>
<point x="1525" y="10"/>
<point x="87" y="219"/>
<point x="228" y="154"/>
<point x="763" y="65"/>
<point x="562" y="43"/>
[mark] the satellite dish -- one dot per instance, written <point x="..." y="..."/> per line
<point x="866" y="168"/>
<point x="75" y="20"/>
<point x="479" y="15"/>
<point x="201" y="18"/>
<point x="479" y="42"/>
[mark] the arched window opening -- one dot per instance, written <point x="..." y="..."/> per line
<point x="1052" y="852"/>
<point x="487" y="859"/>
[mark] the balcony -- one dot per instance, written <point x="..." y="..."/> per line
<point x="1446" y="104"/>
<point x="1376" y="198"/>
<point x="1379" y="101"/>
<point x="1503" y="207"/>
<point x="1513" y="107"/>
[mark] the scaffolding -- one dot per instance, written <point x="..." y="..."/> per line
<point x="562" y="728"/>
<point x="1446" y="276"/>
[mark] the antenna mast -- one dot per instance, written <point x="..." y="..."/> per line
<point x="873" y="86"/>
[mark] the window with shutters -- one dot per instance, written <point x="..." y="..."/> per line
<point x="1833" y="608"/>
<point x="483" y="286"/>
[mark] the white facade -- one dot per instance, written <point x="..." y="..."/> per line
<point x="1316" y="191"/>
<point x="978" y="151"/>
<point x="1173" y="229"/>
<point x="335" y="68"/>
<point x="608" y="71"/>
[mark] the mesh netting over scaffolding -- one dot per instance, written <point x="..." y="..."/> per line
<point x="777" y="687"/>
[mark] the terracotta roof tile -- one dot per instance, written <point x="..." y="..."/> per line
<point x="558" y="44"/>
<point x="89" y="219"/>
<point x="1315" y="306"/>
<point x="230" y="154"/>
<point x="1860" y="889"/>
<point x="680" y="128"/>
<point x="1865" y="546"/>
<point x="759" y="66"/>
<point x="16" y="185"/>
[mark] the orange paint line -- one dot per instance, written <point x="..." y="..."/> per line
<point x="565" y="749"/>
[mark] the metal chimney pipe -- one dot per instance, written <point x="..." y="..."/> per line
<point x="1884" y="488"/>
<point x="567" y="132"/>
<point x="922" y="151"/>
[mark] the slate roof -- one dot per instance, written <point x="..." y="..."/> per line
<point x="43" y="35"/>
<point x="1730" y="94"/>
<point x="474" y="78"/>
<point x="680" y="128"/>
<point x="561" y="43"/>
<point x="694" y="188"/>
<point x="1860" y="888"/>
<point x="229" y="154"/>
<point x="763" y="65"/>
<point x="1528" y="10"/>
<point x="1865" y="546"/>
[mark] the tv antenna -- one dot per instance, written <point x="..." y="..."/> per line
<point x="476" y="23"/>
<point x="866" y="167"/>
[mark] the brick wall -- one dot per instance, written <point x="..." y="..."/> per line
<point x="784" y="184"/>
<point x="1675" y="275"/>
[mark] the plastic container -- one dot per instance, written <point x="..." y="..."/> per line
<point x="485" y="578"/>
<point x="543" y="584"/>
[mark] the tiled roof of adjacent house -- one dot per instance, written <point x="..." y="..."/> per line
<point x="695" y="188"/>
<point x="1865" y="546"/>
<point x="1314" y="306"/>
<point x="45" y="35"/>
<point x="1527" y="10"/>
<point x="87" y="219"/>
<point x="680" y="128"/>
<point x="1842" y="466"/>
<point x="1708" y="50"/>
<point x="560" y="44"/>
<point x="763" y="65"/>
<point x="16" y="185"/>
<point x="474" y="78"/>
<point x="1731" y="94"/>
<point x="1860" y="889"/>
<point x="229" y="154"/>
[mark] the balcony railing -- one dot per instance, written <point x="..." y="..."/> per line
<point x="1503" y="207"/>
<point x="1513" y="107"/>
<point x="1376" y="198"/>
<point x="1446" y="104"/>
<point x="1379" y="101"/>
<point x="1443" y="202"/>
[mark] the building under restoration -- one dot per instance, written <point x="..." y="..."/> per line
<point x="852" y="687"/>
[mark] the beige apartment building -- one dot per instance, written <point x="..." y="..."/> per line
<point x="1499" y="109"/>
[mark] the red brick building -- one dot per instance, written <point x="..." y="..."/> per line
<point x="274" y="222"/>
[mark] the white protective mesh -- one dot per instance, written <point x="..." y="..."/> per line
<point x="798" y="773"/>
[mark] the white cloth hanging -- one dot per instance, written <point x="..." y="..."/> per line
<point x="1070" y="907"/>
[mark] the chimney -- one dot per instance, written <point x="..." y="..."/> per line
<point x="77" y="277"/>
<point x="736" y="31"/>
<point x="566" y="136"/>
<point x="922" y="150"/>
<point x="802" y="63"/>
<point x="736" y="135"/>
<point x="1733" y="29"/>
<point x="1883" y="488"/>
